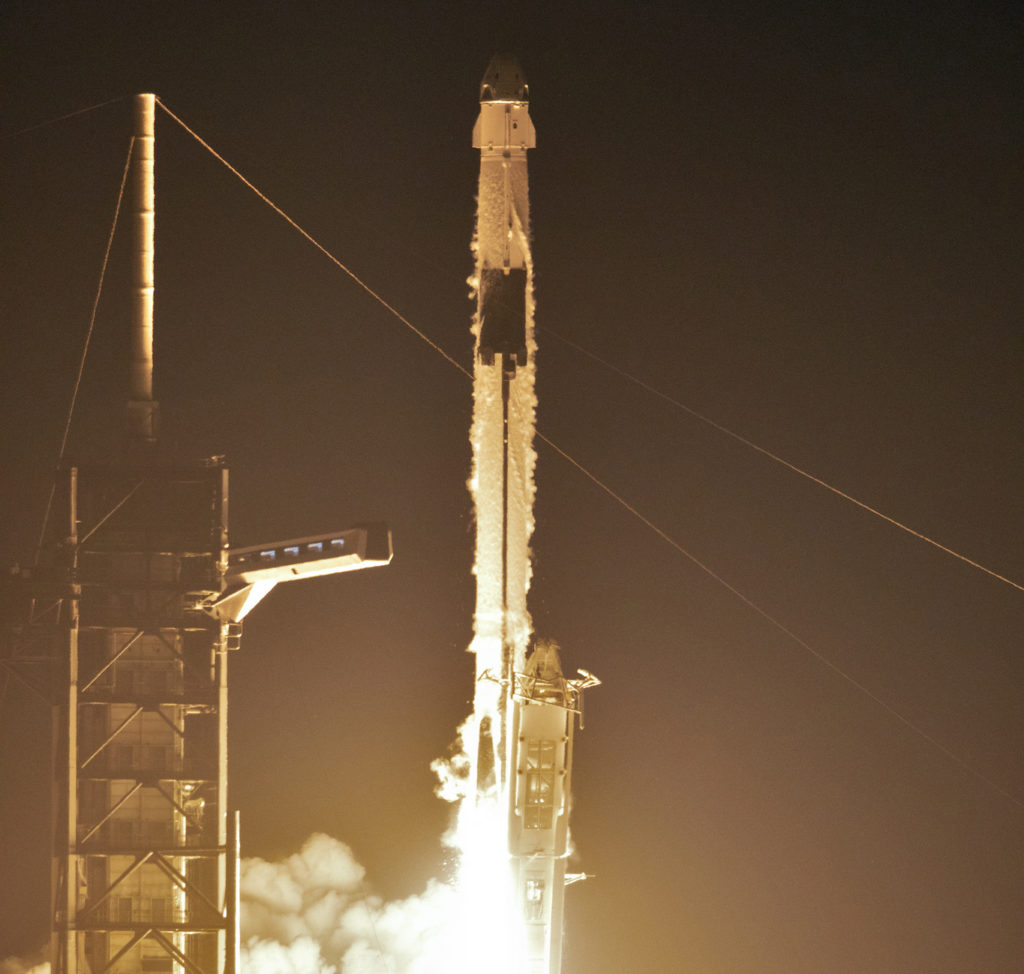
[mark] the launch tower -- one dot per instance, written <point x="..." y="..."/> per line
<point x="142" y="859"/>
<point x="132" y="613"/>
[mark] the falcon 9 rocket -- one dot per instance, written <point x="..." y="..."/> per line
<point x="525" y="709"/>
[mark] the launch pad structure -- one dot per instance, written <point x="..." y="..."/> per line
<point x="144" y="872"/>
<point x="126" y="625"/>
<point x="136" y="602"/>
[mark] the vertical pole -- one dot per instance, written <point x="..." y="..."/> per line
<point x="228" y="879"/>
<point x="225" y="831"/>
<point x="233" y="905"/>
<point x="74" y="952"/>
<point x="141" y="407"/>
<point x="64" y="939"/>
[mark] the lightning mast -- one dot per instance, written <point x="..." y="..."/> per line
<point x="142" y="858"/>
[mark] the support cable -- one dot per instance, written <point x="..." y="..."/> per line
<point x="62" y="118"/>
<point x="647" y="387"/>
<point x="711" y="573"/>
<point x="920" y="732"/>
<point x="376" y="938"/>
<point x="85" y="350"/>
<point x="316" y="243"/>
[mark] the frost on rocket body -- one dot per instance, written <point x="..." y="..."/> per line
<point x="498" y="240"/>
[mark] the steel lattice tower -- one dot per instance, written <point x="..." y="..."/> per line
<point x="141" y="858"/>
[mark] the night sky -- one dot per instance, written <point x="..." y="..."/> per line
<point x="802" y="221"/>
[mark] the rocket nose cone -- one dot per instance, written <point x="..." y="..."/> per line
<point x="503" y="80"/>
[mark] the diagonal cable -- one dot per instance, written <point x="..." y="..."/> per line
<point x="647" y="387"/>
<point x="85" y="350"/>
<point x="764" y="614"/>
<point x="316" y="243"/>
<point x="63" y="118"/>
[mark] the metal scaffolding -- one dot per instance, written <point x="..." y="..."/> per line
<point x="141" y="855"/>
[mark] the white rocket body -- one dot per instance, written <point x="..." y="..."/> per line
<point x="538" y="804"/>
<point x="525" y="708"/>
<point x="504" y="409"/>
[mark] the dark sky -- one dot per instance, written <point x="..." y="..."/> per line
<point x="803" y="222"/>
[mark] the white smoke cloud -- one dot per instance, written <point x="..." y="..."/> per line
<point x="313" y="913"/>
<point x="302" y="956"/>
<point x="454" y="772"/>
<point x="304" y="896"/>
<point x="26" y="965"/>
